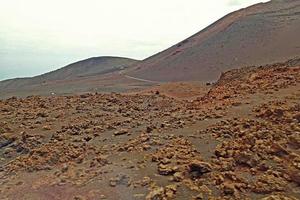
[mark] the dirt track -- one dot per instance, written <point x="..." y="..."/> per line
<point x="143" y="80"/>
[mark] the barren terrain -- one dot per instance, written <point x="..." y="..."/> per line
<point x="90" y="75"/>
<point x="261" y="34"/>
<point x="236" y="139"/>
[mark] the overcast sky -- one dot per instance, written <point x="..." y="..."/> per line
<point x="37" y="36"/>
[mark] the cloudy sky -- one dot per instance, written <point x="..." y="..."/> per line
<point x="37" y="36"/>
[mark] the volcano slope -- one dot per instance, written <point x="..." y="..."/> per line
<point x="240" y="140"/>
<point x="260" y="34"/>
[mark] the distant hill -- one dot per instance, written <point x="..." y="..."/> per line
<point x="261" y="34"/>
<point x="86" y="68"/>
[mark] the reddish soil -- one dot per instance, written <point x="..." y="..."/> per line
<point x="239" y="140"/>
<point x="178" y="90"/>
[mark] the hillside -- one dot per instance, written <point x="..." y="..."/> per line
<point x="261" y="34"/>
<point x="75" y="76"/>
<point x="89" y="67"/>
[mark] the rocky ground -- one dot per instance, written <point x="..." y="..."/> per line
<point x="239" y="140"/>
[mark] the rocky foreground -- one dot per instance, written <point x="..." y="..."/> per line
<point x="241" y="140"/>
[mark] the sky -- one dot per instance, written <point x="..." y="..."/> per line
<point x="37" y="36"/>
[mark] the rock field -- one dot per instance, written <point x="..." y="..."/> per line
<point x="240" y="140"/>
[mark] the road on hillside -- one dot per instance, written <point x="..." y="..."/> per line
<point x="139" y="79"/>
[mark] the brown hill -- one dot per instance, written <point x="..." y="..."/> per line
<point x="84" y="68"/>
<point x="261" y="34"/>
<point x="76" y="77"/>
<point x="258" y="35"/>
